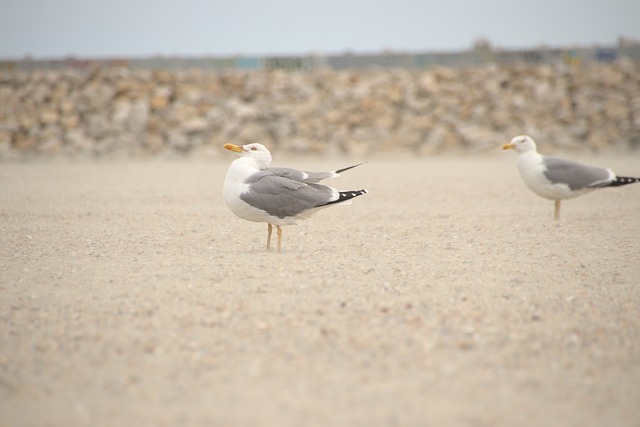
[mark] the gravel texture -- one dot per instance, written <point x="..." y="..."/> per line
<point x="130" y="295"/>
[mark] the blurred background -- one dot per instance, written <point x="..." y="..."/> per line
<point x="143" y="78"/>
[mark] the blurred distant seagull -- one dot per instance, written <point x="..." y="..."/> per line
<point x="559" y="179"/>
<point x="277" y="196"/>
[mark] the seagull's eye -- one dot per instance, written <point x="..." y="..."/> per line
<point x="253" y="148"/>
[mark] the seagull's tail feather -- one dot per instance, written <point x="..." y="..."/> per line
<point x="345" y="196"/>
<point x="339" y="171"/>
<point x="622" y="180"/>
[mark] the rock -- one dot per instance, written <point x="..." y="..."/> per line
<point x="121" y="112"/>
<point x="480" y="137"/>
<point x="159" y="102"/>
<point x="49" y="117"/>
<point x="97" y="125"/>
<point x="139" y="116"/>
<point x="178" y="140"/>
<point x="152" y="143"/>
<point x="78" y="141"/>
<point x="50" y="146"/>
<point x="103" y="111"/>
<point x="194" y="125"/>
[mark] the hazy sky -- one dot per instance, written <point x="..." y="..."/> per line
<point x="115" y="28"/>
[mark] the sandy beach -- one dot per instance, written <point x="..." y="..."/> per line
<point x="447" y="296"/>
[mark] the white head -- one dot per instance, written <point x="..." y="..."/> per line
<point x="257" y="152"/>
<point x="521" y="144"/>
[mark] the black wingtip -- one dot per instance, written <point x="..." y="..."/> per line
<point x="623" y="180"/>
<point x="349" y="167"/>
<point x="346" y="195"/>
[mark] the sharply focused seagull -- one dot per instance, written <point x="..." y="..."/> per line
<point x="277" y="196"/>
<point x="559" y="179"/>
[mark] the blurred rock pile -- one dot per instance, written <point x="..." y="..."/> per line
<point x="116" y="111"/>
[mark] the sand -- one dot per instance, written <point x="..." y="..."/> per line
<point x="130" y="295"/>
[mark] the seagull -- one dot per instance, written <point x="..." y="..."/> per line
<point x="558" y="179"/>
<point x="277" y="196"/>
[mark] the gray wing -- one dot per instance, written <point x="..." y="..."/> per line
<point x="305" y="176"/>
<point x="300" y="176"/>
<point x="576" y="175"/>
<point x="284" y="197"/>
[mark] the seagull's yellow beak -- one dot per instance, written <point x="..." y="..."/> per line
<point x="508" y="146"/>
<point x="233" y="147"/>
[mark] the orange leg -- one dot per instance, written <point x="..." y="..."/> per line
<point x="269" y="230"/>
<point x="556" y="212"/>
<point x="279" y="237"/>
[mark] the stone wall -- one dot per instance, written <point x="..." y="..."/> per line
<point x="116" y="111"/>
